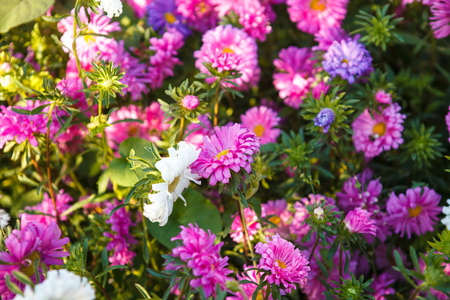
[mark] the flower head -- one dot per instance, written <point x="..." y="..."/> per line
<point x="440" y="18"/>
<point x="237" y="230"/>
<point x="414" y="212"/>
<point x="199" y="14"/>
<point x="347" y="58"/>
<point x="190" y="102"/>
<point x="324" y="119"/>
<point x="4" y="218"/>
<point x="382" y="97"/>
<point x="262" y="120"/>
<point x="113" y="8"/>
<point x="163" y="14"/>
<point x="278" y="214"/>
<point x="176" y="175"/>
<point x="230" y="148"/>
<point x="285" y="264"/>
<point x="376" y="133"/>
<point x="358" y="221"/>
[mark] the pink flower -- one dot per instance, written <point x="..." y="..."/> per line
<point x="440" y="19"/>
<point x="382" y="97"/>
<point x="238" y="6"/>
<point x="327" y="35"/>
<point x="199" y="14"/>
<point x="262" y="120"/>
<point x="230" y="148"/>
<point x="293" y="75"/>
<point x="237" y="231"/>
<point x="414" y="212"/>
<point x="313" y="15"/>
<point x="190" y="102"/>
<point x="285" y="264"/>
<point x="447" y="120"/>
<point x="358" y="221"/>
<point x="380" y="133"/>
<point x="198" y="251"/>
<point x="197" y="131"/>
<point x="139" y="6"/>
<point x="280" y="216"/>
<point x="381" y="287"/>
<point x="248" y="288"/>
<point x="232" y="40"/>
<point x="256" y="22"/>
<point x="221" y="60"/>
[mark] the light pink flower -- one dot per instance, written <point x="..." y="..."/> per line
<point x="200" y="14"/>
<point x="262" y="120"/>
<point x="139" y="7"/>
<point x="440" y="19"/>
<point x="382" y="97"/>
<point x="358" y="221"/>
<point x="237" y="231"/>
<point x="280" y="216"/>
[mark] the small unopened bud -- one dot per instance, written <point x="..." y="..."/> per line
<point x="318" y="212"/>
<point x="190" y="102"/>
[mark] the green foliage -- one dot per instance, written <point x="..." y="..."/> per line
<point x="16" y="12"/>
<point x="352" y="289"/>
<point x="442" y="243"/>
<point x="78" y="258"/>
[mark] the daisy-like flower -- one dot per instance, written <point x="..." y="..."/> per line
<point x="358" y="221"/>
<point x="293" y="75"/>
<point x="60" y="285"/>
<point x="279" y="216"/>
<point x="262" y="120"/>
<point x="380" y="133"/>
<point x="113" y="8"/>
<point x="446" y="212"/>
<point x="222" y="60"/>
<point x="348" y="59"/>
<point x="4" y="218"/>
<point x="176" y="175"/>
<point x="199" y="14"/>
<point x="382" y="97"/>
<point x="163" y="14"/>
<point x="237" y="230"/>
<point x="440" y="18"/>
<point x="227" y="38"/>
<point x="324" y="119"/>
<point x="256" y="22"/>
<point x="312" y="15"/>
<point x="381" y="286"/>
<point x="414" y="212"/>
<point x="230" y="148"/>
<point x="285" y="264"/>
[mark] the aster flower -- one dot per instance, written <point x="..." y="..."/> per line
<point x="237" y="230"/>
<point x="381" y="287"/>
<point x="190" y="102"/>
<point x="284" y="264"/>
<point x="293" y="75"/>
<point x="60" y="285"/>
<point x="230" y="148"/>
<point x="163" y="14"/>
<point x="231" y="40"/>
<point x="262" y="120"/>
<point x="379" y="133"/>
<point x="279" y="215"/>
<point x="382" y="97"/>
<point x="327" y="35"/>
<point x="358" y="221"/>
<point x="113" y="8"/>
<point x="312" y="15"/>
<point x="445" y="211"/>
<point x="324" y="119"/>
<point x="176" y="175"/>
<point x="199" y="14"/>
<point x="248" y="288"/>
<point x="255" y="22"/>
<point x="348" y="59"/>
<point x="221" y="60"/>
<point x="197" y="250"/>
<point x="440" y="19"/>
<point x="4" y="218"/>
<point x="139" y="6"/>
<point x="414" y="212"/>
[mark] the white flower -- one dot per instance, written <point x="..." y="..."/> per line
<point x="446" y="212"/>
<point x="60" y="285"/>
<point x="177" y="176"/>
<point x="111" y="7"/>
<point x="4" y="218"/>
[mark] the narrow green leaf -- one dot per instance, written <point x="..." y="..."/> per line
<point x="110" y="268"/>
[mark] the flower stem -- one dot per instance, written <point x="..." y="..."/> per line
<point x="416" y="292"/>
<point x="147" y="239"/>
<point x="99" y="285"/>
<point x="180" y="296"/>
<point x="181" y="129"/>
<point x="49" y="174"/>
<point x="244" y="226"/>
<point x="74" y="44"/>
<point x="314" y="248"/>
<point x="216" y="107"/>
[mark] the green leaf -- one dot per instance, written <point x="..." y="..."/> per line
<point x="141" y="290"/>
<point x="11" y="286"/>
<point x="21" y="111"/>
<point x="16" y="12"/>
<point x="110" y="268"/>
<point x="22" y="278"/>
<point x="120" y="172"/>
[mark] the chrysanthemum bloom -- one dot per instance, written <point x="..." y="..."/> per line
<point x="382" y="97"/>
<point x="122" y="239"/>
<point x="446" y="212"/>
<point x="4" y="218"/>
<point x="176" y="175"/>
<point x="358" y="221"/>
<point x="327" y="35"/>
<point x="324" y="119"/>
<point x="381" y="287"/>
<point x="73" y="89"/>
<point x="447" y="120"/>
<point x="34" y="241"/>
<point x="293" y="75"/>
<point x="414" y="212"/>
<point x="224" y="7"/>
<point x="230" y="148"/>
<point x="139" y="7"/>
<point x="286" y="264"/>
<point x="195" y="132"/>
<point x="190" y="102"/>
<point x="262" y="120"/>
<point x="348" y="59"/>
<point x="237" y="230"/>
<point x="199" y="14"/>
<point x="279" y="216"/>
<point x="197" y="249"/>
<point x="220" y="60"/>
<point x="113" y="8"/>
<point x="365" y="196"/>
<point x="47" y="207"/>
<point x="151" y="128"/>
<point x="163" y="14"/>
<point x="440" y="19"/>
<point x="232" y="40"/>
<point x="248" y="288"/>
<point x="59" y="285"/>
<point x="380" y="133"/>
<point x="256" y="22"/>
<point x="312" y="15"/>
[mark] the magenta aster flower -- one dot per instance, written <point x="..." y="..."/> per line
<point x="199" y="14"/>
<point x="237" y="231"/>
<point x="163" y="15"/>
<point x="358" y="221"/>
<point x="380" y="133"/>
<point x="198" y="251"/>
<point x="312" y="15"/>
<point x="262" y="120"/>
<point x="293" y="75"/>
<point x="223" y="7"/>
<point x="285" y="264"/>
<point x="440" y="19"/>
<point x="348" y="59"/>
<point x="230" y="148"/>
<point x="414" y="212"/>
<point x="232" y="40"/>
<point x="190" y="102"/>
<point x="139" y="6"/>
<point x="447" y="120"/>
<point x="222" y="60"/>
<point x="195" y="132"/>
<point x="279" y="215"/>
<point x="256" y="22"/>
<point x="327" y="35"/>
<point x="382" y="97"/>
<point x="381" y="285"/>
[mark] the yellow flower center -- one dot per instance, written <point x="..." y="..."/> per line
<point x="259" y="130"/>
<point x="174" y="184"/>
<point x="379" y="129"/>
<point x="89" y="38"/>
<point x="202" y="7"/>
<point x="344" y="61"/>
<point x="227" y="50"/>
<point x="317" y="5"/>
<point x="415" y="211"/>
<point x="281" y="264"/>
<point x="28" y="268"/>
<point x="275" y="220"/>
<point x="222" y="153"/>
<point x="170" y="17"/>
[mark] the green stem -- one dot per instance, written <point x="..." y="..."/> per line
<point x="416" y="292"/>
<point x="77" y="183"/>
<point x="180" y="296"/>
<point x="216" y="107"/>
<point x="74" y="44"/>
<point x="181" y="129"/>
<point x="314" y="248"/>
<point x="244" y="226"/>
<point x="147" y="238"/>
<point x="99" y="286"/>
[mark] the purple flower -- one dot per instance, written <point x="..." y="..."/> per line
<point x="162" y="15"/>
<point x="324" y="119"/>
<point x="347" y="58"/>
<point x="358" y="221"/>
